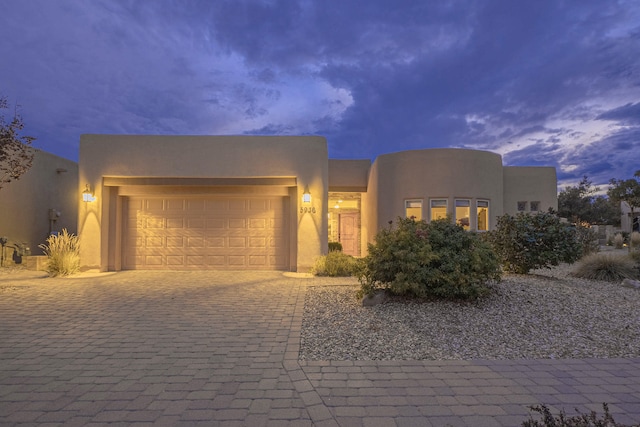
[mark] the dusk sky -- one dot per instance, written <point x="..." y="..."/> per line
<point x="542" y="82"/>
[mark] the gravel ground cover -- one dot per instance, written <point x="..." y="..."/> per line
<point x="544" y="315"/>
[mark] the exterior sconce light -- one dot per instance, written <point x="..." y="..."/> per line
<point x="87" y="195"/>
<point x="306" y="196"/>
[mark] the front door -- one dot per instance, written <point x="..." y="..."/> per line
<point x="348" y="235"/>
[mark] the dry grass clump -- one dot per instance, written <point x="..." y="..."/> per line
<point x="618" y="241"/>
<point x="607" y="267"/>
<point x="634" y="239"/>
<point x="335" y="264"/>
<point x="63" y="251"/>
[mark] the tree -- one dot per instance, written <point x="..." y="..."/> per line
<point x="16" y="153"/>
<point x="525" y="242"/>
<point x="581" y="204"/>
<point x="628" y="191"/>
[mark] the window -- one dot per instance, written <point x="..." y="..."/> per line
<point x="438" y="209"/>
<point x="463" y="213"/>
<point x="522" y="206"/>
<point x="483" y="215"/>
<point x="413" y="209"/>
<point x="535" y="206"/>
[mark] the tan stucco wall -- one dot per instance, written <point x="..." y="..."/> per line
<point x="626" y="221"/>
<point x="431" y="174"/>
<point x="304" y="158"/>
<point x="348" y="175"/>
<point x="527" y="184"/>
<point x="51" y="183"/>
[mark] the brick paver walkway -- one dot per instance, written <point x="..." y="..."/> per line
<point x="221" y="349"/>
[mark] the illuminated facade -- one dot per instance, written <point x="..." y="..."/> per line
<point x="274" y="203"/>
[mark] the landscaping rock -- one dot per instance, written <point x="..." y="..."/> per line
<point x="375" y="299"/>
<point x="629" y="283"/>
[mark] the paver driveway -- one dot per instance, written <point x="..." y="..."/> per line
<point x="221" y="349"/>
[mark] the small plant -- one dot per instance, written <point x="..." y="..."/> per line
<point x="579" y="420"/>
<point x="63" y="251"/>
<point x="607" y="267"/>
<point x="335" y="264"/>
<point x="335" y="246"/>
<point x="618" y="241"/>
<point x="437" y="259"/>
<point x="525" y="242"/>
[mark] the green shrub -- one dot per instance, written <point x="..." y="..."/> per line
<point x="608" y="267"/>
<point x="618" y="241"/>
<point x="63" y="251"/>
<point x="439" y="259"/>
<point x="588" y="239"/>
<point x="335" y="246"/>
<point x="525" y="242"/>
<point x="561" y="420"/>
<point x="335" y="264"/>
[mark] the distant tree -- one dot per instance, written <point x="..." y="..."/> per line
<point x="627" y="190"/>
<point x="16" y="153"/>
<point x="581" y="204"/>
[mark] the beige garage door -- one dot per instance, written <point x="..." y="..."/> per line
<point x="206" y="233"/>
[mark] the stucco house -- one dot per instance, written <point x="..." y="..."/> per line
<point x="42" y="201"/>
<point x="274" y="202"/>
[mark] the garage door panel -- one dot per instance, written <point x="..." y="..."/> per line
<point x="237" y="242"/>
<point x="237" y="204"/>
<point x="175" y="222"/>
<point x="236" y="260"/>
<point x="195" y="223"/>
<point x="175" y="260"/>
<point x="153" y="204"/>
<point x="172" y="205"/>
<point x="220" y="232"/>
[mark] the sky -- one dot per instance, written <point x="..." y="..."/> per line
<point x="543" y="83"/>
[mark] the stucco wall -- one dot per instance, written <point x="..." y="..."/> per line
<point x="302" y="158"/>
<point x="432" y="174"/>
<point x="527" y="184"/>
<point x="51" y="183"/>
<point x="348" y="175"/>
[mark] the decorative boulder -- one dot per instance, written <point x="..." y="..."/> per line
<point x="375" y="299"/>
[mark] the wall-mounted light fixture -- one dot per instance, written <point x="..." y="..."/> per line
<point x="306" y="196"/>
<point x="87" y="195"/>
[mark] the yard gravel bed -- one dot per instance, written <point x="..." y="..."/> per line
<point x="544" y="315"/>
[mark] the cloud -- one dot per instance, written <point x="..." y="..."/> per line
<point x="628" y="114"/>
<point x="542" y="82"/>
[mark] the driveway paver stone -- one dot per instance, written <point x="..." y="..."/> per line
<point x="221" y="349"/>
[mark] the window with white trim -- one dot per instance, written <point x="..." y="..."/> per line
<point x="463" y="213"/>
<point x="413" y="209"/>
<point x="438" y="209"/>
<point x="482" y="207"/>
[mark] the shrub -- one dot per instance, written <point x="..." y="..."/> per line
<point x="580" y="420"/>
<point x="608" y="267"/>
<point x="335" y="246"/>
<point x="618" y="241"/>
<point x="63" y="251"/>
<point x="439" y="259"/>
<point x="588" y="239"/>
<point x="525" y="242"/>
<point x="335" y="264"/>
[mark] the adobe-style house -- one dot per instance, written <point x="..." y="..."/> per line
<point x="274" y="202"/>
<point x="42" y="201"/>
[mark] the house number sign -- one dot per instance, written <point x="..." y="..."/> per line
<point x="305" y="209"/>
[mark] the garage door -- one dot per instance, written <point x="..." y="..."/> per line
<point x="206" y="233"/>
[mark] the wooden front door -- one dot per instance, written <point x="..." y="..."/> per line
<point x="348" y="235"/>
